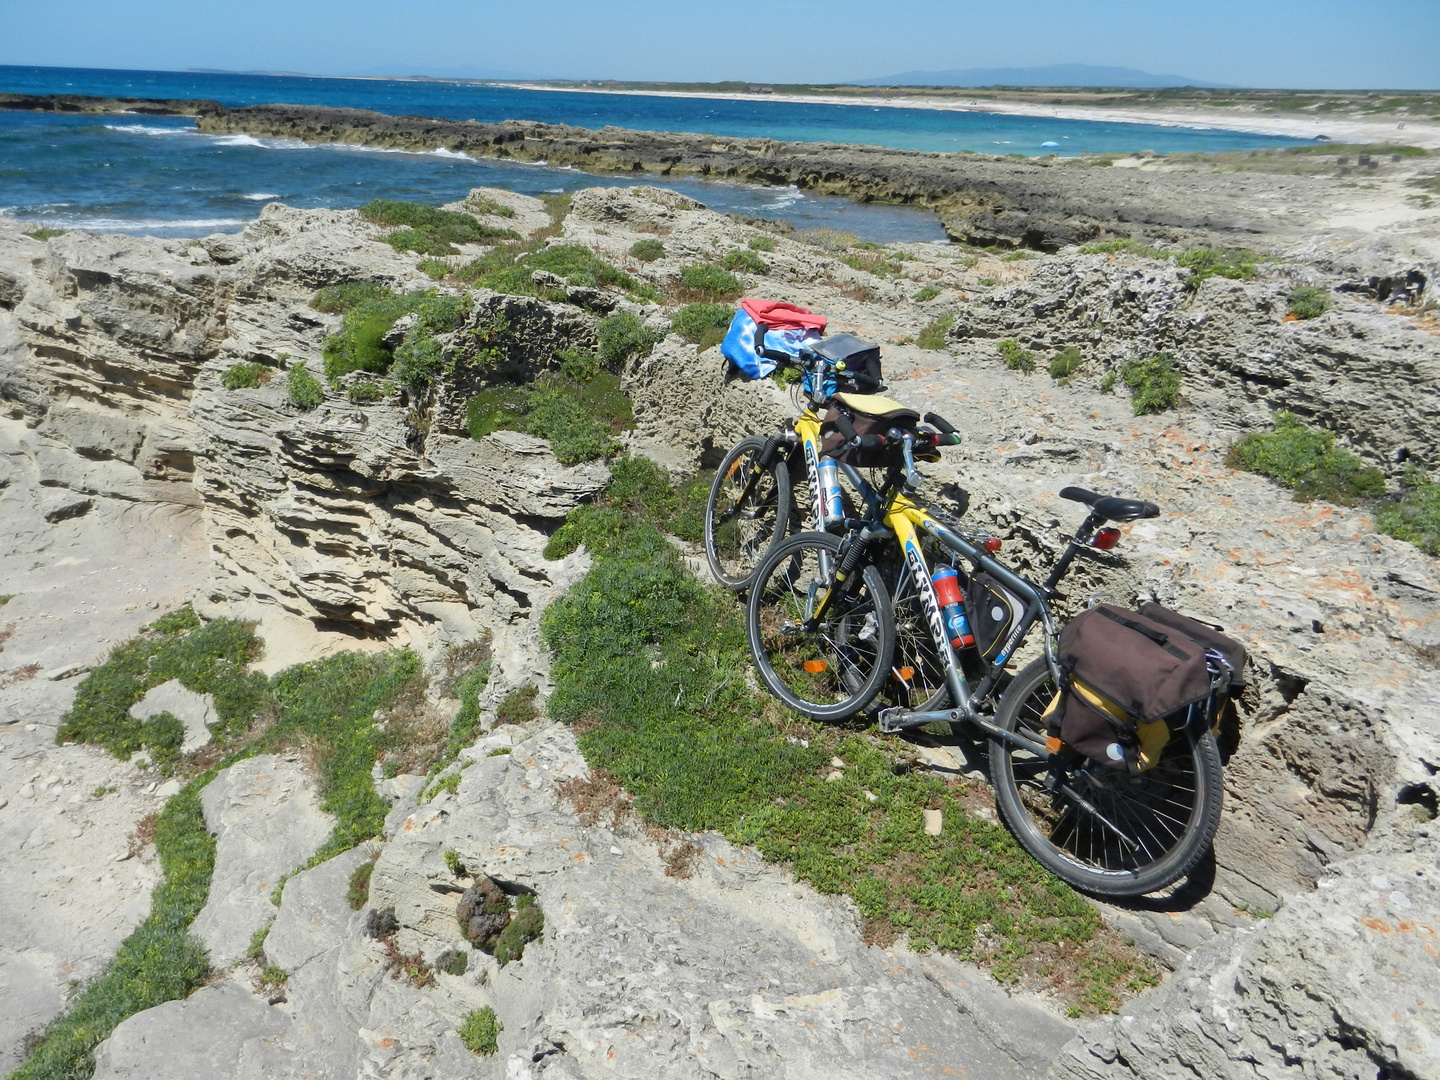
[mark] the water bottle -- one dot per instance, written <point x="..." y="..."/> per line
<point x="830" y="489"/>
<point x="952" y="611"/>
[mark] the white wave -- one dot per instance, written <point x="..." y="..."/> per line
<point x="134" y="225"/>
<point x="790" y="197"/>
<point x="266" y="144"/>
<point x="262" y="196"/>
<point x="441" y="151"/>
<point x="142" y="129"/>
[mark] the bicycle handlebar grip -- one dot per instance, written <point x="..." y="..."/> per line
<point x="939" y="423"/>
<point x="776" y="355"/>
<point x="846" y="427"/>
<point x="870" y="442"/>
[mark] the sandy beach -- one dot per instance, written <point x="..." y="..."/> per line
<point x="1348" y="129"/>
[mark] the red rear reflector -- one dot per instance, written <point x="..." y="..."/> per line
<point x="992" y="545"/>
<point x="1106" y="539"/>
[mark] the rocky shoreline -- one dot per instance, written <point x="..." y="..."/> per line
<point x="129" y="462"/>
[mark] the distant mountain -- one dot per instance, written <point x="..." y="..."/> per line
<point x="1049" y="75"/>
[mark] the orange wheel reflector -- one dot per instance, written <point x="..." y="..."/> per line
<point x="905" y="673"/>
<point x="815" y="667"/>
<point x="1053" y="744"/>
<point x="734" y="468"/>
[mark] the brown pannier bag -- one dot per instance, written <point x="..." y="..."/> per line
<point x="1129" y="670"/>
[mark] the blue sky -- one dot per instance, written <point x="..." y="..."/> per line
<point x="1293" y="43"/>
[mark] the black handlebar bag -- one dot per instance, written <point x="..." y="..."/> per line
<point x="1131" y="670"/>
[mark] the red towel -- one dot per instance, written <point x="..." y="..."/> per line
<point x="781" y="316"/>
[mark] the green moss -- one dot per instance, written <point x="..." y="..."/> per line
<point x="705" y="281"/>
<point x="1065" y="363"/>
<point x="1016" y="358"/>
<point x="1154" y="383"/>
<point x="928" y="292"/>
<point x="746" y="262"/>
<point x="44" y="233"/>
<point x="245" y="376"/>
<point x="497" y="408"/>
<point x="934" y="335"/>
<point x="1308" y="302"/>
<point x="1307" y="460"/>
<point x="526" y="925"/>
<point x="428" y="230"/>
<point x="702" y="325"/>
<point x="622" y="336"/>
<point x="647" y="250"/>
<point x="481" y="1032"/>
<point x="761" y="243"/>
<point x="579" y="419"/>
<point x="1415" y="516"/>
<point x="160" y="961"/>
<point x="301" y="388"/>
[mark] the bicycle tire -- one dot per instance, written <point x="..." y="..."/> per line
<point x="917" y="674"/>
<point x="739" y="537"/>
<point x="1172" y="810"/>
<point x="835" y="671"/>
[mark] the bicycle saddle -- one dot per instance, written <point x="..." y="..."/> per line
<point x="876" y="405"/>
<point x="1109" y="507"/>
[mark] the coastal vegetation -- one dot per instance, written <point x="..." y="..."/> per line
<point x="746" y="262"/>
<point x="649" y="666"/>
<point x="1064" y="364"/>
<point x="1154" y="383"/>
<point x="708" y="282"/>
<point x="647" y="250"/>
<point x="1308" y="302"/>
<point x="1202" y="262"/>
<point x="428" y="230"/>
<point x="1016" y="358"/>
<point x="934" y="335"/>
<point x="481" y="1032"/>
<point x="703" y="325"/>
<point x="245" y="376"/>
<point x="1306" y="460"/>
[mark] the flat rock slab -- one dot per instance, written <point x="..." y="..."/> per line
<point x="266" y="817"/>
<point x="199" y="1037"/>
<point x="195" y="711"/>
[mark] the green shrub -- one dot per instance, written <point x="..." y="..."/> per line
<point x="518" y="706"/>
<point x="873" y="262"/>
<point x="256" y="949"/>
<point x="647" y="250"/>
<point x="746" y="262"/>
<point x="44" y="233"/>
<point x="639" y="489"/>
<point x="1308" y="302"/>
<point x="435" y="269"/>
<point x="365" y="392"/>
<point x="933" y="336"/>
<point x="428" y="230"/>
<point x="1016" y="358"/>
<point x="1124" y="245"/>
<point x="1203" y="262"/>
<point x="488" y="207"/>
<point x="578" y="365"/>
<point x="245" y="376"/>
<point x="1306" y="459"/>
<point x="622" y="336"/>
<point x="358" y="894"/>
<point x="453" y="962"/>
<point x="580" y="266"/>
<point x="705" y="281"/>
<point x="574" y="436"/>
<point x="1415" y="515"/>
<point x="702" y="325"/>
<point x="358" y="344"/>
<point x="1063" y="364"/>
<point x="302" y="388"/>
<point x="160" y="961"/>
<point x="928" y="292"/>
<point x="1154" y="383"/>
<point x="338" y="299"/>
<point x="481" y="1032"/>
<point x="419" y="358"/>
<point x="761" y="243"/>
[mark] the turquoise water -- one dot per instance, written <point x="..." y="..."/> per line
<point x="158" y="175"/>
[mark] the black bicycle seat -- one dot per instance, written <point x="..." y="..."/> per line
<point x="1109" y="507"/>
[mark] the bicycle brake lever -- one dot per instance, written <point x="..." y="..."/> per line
<point x="913" y="479"/>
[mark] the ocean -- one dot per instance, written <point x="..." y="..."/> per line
<point x="159" y="176"/>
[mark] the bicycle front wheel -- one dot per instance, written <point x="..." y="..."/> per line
<point x="834" y="668"/>
<point x="1133" y="834"/>
<point x="747" y="513"/>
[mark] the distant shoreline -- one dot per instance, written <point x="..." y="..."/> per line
<point x="1338" y="129"/>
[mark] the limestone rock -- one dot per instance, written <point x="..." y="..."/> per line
<point x="267" y="821"/>
<point x="195" y="711"/>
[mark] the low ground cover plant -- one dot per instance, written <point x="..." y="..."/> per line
<point x="655" y="664"/>
<point x="301" y="388"/>
<point x="1415" y="514"/>
<point x="705" y="281"/>
<point x="481" y="1032"/>
<point x="1154" y="383"/>
<point x="746" y="262"/>
<point x="647" y="250"/>
<point x="1308" y="302"/>
<point x="428" y="230"/>
<point x="1016" y="358"/>
<point x="933" y="336"/>
<point x="1065" y="363"/>
<point x="1306" y="460"/>
<point x="703" y="325"/>
<point x="245" y="376"/>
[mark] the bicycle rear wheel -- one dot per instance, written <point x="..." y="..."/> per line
<point x="1168" y="814"/>
<point x="834" y="669"/>
<point x="747" y="513"/>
